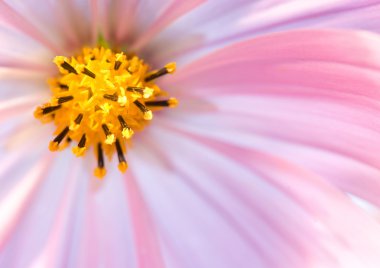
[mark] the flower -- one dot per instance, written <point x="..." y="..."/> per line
<point x="254" y="168"/>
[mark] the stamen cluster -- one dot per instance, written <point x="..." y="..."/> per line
<point x="100" y="98"/>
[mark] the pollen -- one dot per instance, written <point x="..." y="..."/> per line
<point x="100" y="98"/>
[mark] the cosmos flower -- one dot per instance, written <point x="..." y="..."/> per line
<point x="265" y="162"/>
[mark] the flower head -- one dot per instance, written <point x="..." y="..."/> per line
<point x="99" y="99"/>
<point x="261" y="165"/>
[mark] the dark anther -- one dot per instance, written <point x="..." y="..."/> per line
<point x="110" y="97"/>
<point x="160" y="103"/>
<point x="106" y="130"/>
<point x="68" y="67"/>
<point x="63" y="87"/>
<point x="50" y="109"/>
<point x="100" y="156"/>
<point x="82" y="141"/>
<point x="88" y="73"/>
<point x="120" y="154"/>
<point x="122" y="121"/>
<point x="61" y="135"/>
<point x="139" y="90"/>
<point x="117" y="65"/>
<point x="65" y="99"/>
<point x="78" y="119"/>
<point x="140" y="106"/>
<point x="156" y="74"/>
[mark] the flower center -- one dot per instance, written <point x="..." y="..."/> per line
<point x="100" y="98"/>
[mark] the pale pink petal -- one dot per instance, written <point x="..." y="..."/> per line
<point x="124" y="16"/>
<point x="58" y="245"/>
<point x="197" y="28"/>
<point x="279" y="15"/>
<point x="135" y="22"/>
<point x="12" y="17"/>
<point x="252" y="18"/>
<point x="114" y="19"/>
<point x="222" y="198"/>
<point x="344" y="168"/>
<point x="328" y="124"/>
<point x="123" y="21"/>
<point x="193" y="232"/>
<point x="15" y="202"/>
<point x="26" y="174"/>
<point x="60" y="25"/>
<point x="106" y="232"/>
<point x="96" y="24"/>
<point x="35" y="235"/>
<point x="256" y="62"/>
<point x="257" y="97"/>
<point x="175" y="10"/>
<point x="21" y="91"/>
<point x="19" y="51"/>
<point x="148" y="249"/>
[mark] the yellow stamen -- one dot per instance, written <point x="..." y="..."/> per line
<point x="173" y="102"/>
<point x="100" y="172"/>
<point x="148" y="115"/>
<point x="148" y="92"/>
<point x="127" y="132"/>
<point x="123" y="166"/>
<point x="53" y="146"/>
<point x="171" y="67"/>
<point x="100" y="98"/>
<point x="78" y="151"/>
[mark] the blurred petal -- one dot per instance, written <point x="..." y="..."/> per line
<point x="272" y="65"/>
<point x="257" y="98"/>
<point x="12" y="17"/>
<point x="249" y="195"/>
<point x="62" y="239"/>
<point x="146" y="240"/>
<point x="105" y="236"/>
<point x="139" y="21"/>
<point x="20" y="94"/>
<point x="15" y="202"/>
<point x="246" y="19"/>
<point x="175" y="10"/>
<point x="19" y="51"/>
<point x="59" y="25"/>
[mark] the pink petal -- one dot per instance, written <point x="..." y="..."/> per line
<point x="219" y="198"/>
<point x="329" y="126"/>
<point x="105" y="235"/>
<point x="292" y="14"/>
<point x="19" y="106"/>
<point x="191" y="230"/>
<point x="56" y="250"/>
<point x="252" y="18"/>
<point x="124" y="17"/>
<point x="31" y="229"/>
<point x="61" y="26"/>
<point x="175" y="10"/>
<point x="19" y="51"/>
<point x="15" y="201"/>
<point x="115" y="20"/>
<point x="329" y="110"/>
<point x="12" y="17"/>
<point x="146" y="240"/>
<point x="20" y="93"/>
<point x="259" y="56"/>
